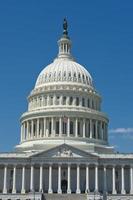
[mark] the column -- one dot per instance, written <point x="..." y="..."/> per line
<point x="105" y="179"/>
<point x="76" y="127"/>
<point x="32" y="179"/>
<point x="37" y="128"/>
<point x="50" y="179"/>
<point x="59" y="179"/>
<point x="113" y="181"/>
<point x="87" y="179"/>
<point x="90" y="128"/>
<point x="5" y="180"/>
<point x="14" y="180"/>
<point x="122" y="180"/>
<point x="101" y="137"/>
<point x="24" y="131"/>
<point x="68" y="127"/>
<point x="53" y="126"/>
<point x="23" y="180"/>
<point x="41" y="178"/>
<point x="32" y="128"/>
<point x="21" y="132"/>
<point x="131" y="179"/>
<point x="78" y="180"/>
<point x="96" y="178"/>
<point x="69" y="179"/>
<point x="60" y="127"/>
<point x="44" y="126"/>
<point x="83" y="128"/>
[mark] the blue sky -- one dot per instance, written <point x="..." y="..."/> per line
<point x="102" y="36"/>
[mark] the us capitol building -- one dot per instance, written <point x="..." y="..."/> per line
<point x="64" y="152"/>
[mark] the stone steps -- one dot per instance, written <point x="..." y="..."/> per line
<point x="65" y="197"/>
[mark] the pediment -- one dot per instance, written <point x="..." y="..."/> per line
<point x="64" y="151"/>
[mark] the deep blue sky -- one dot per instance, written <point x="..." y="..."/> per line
<point x="102" y="36"/>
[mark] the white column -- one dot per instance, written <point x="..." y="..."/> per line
<point x="105" y="178"/>
<point x="122" y="180"/>
<point x="83" y="128"/>
<point x="5" y="180"/>
<point x="78" y="180"/>
<point x="14" y="180"/>
<point x="23" y="180"/>
<point x="44" y="127"/>
<point x="37" y="128"/>
<point x="68" y="127"/>
<point x="60" y="127"/>
<point x="90" y="128"/>
<point x="76" y="127"/>
<point x="96" y="178"/>
<point x="32" y="179"/>
<point x="113" y="181"/>
<point x="24" y="131"/>
<point x="131" y="179"/>
<point x="50" y="179"/>
<point x="59" y="179"/>
<point x="53" y="126"/>
<point x="87" y="179"/>
<point x="32" y="128"/>
<point x="41" y="178"/>
<point x="21" y="132"/>
<point x="69" y="179"/>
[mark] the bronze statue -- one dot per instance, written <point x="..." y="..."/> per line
<point x="65" y="26"/>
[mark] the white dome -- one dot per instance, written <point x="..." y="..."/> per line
<point x="64" y="70"/>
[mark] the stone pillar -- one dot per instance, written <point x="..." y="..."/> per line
<point x="113" y="181"/>
<point x="90" y="128"/>
<point x="131" y="179"/>
<point x="105" y="179"/>
<point x="96" y="178"/>
<point x="23" y="180"/>
<point x="53" y="126"/>
<point x="78" y="180"/>
<point x="76" y="127"/>
<point x="14" y="180"/>
<point x="68" y="127"/>
<point x="83" y="128"/>
<point x="59" y="179"/>
<point x="44" y="127"/>
<point x="87" y="179"/>
<point x="32" y="179"/>
<point x="122" y="180"/>
<point x="24" y="131"/>
<point x="32" y="128"/>
<point x="50" y="179"/>
<point x="5" y="180"/>
<point x="69" y="179"/>
<point x="38" y="131"/>
<point x="60" y="127"/>
<point x="41" y="178"/>
<point x="21" y="132"/>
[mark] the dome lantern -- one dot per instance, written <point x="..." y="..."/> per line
<point x="65" y="43"/>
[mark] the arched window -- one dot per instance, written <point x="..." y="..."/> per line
<point x="51" y="100"/>
<point x="71" y="100"/>
<point x="58" y="100"/>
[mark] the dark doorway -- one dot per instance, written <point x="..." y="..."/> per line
<point x="64" y="186"/>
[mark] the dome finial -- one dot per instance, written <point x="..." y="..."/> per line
<point x="65" y="26"/>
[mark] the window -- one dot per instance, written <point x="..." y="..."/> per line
<point x="83" y="102"/>
<point x="71" y="100"/>
<point x="77" y="101"/>
<point x="71" y="127"/>
<point x="64" y="127"/>
<point x="64" y="100"/>
<point x="51" y="100"/>
<point x="78" y="128"/>
<point x="58" y="100"/>
<point x="50" y="128"/>
<point x="57" y="127"/>
<point x="88" y="103"/>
